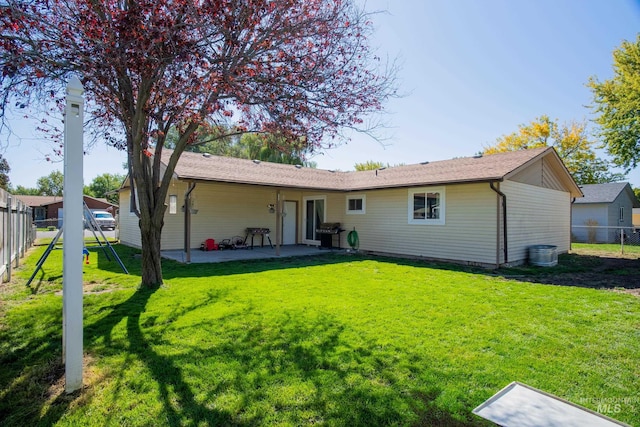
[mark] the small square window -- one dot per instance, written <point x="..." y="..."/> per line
<point x="356" y="204"/>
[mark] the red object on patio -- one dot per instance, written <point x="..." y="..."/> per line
<point x="209" y="245"/>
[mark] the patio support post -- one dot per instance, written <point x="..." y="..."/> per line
<point x="278" y="221"/>
<point x="73" y="236"/>
<point x="187" y="222"/>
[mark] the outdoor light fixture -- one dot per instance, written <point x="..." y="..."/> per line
<point x="272" y="208"/>
<point x="192" y="208"/>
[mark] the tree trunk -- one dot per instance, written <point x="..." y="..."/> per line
<point x="151" y="261"/>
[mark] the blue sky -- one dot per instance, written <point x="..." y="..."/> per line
<point x="471" y="71"/>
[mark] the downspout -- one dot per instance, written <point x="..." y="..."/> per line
<point x="573" y="199"/>
<point x="187" y="222"/>
<point x="504" y="222"/>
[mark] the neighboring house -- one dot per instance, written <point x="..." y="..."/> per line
<point x="635" y="219"/>
<point x="48" y="210"/>
<point x="476" y="210"/>
<point x="598" y="216"/>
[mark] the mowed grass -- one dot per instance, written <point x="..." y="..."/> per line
<point x="607" y="248"/>
<point x="333" y="340"/>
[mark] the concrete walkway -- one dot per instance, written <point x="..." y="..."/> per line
<point x="198" y="256"/>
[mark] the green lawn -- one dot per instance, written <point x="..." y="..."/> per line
<point x="611" y="248"/>
<point x="333" y="340"/>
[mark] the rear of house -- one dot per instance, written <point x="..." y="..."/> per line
<point x="481" y="211"/>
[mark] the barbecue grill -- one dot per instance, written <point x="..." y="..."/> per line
<point x="327" y="230"/>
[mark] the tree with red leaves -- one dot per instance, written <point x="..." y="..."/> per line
<point x="296" y="69"/>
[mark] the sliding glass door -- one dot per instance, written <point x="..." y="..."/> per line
<point x="314" y="215"/>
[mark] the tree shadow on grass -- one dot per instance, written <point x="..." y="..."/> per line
<point x="587" y="271"/>
<point x="173" y="269"/>
<point x="292" y="369"/>
<point x="316" y="371"/>
<point x="32" y="370"/>
<point x="34" y="373"/>
<point x="173" y="391"/>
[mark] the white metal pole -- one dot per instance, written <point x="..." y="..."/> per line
<point x="73" y="236"/>
<point x="9" y="237"/>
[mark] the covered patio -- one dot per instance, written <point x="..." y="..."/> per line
<point x="198" y="256"/>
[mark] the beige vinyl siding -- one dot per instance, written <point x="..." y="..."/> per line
<point x="536" y="216"/>
<point x="541" y="173"/>
<point x="128" y="222"/>
<point x="172" y="231"/>
<point x="225" y="210"/>
<point x="468" y="235"/>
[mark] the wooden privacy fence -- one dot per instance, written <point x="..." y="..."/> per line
<point x="17" y="232"/>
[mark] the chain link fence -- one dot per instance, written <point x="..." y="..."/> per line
<point x="602" y="234"/>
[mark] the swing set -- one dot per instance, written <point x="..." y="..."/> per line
<point x="93" y="226"/>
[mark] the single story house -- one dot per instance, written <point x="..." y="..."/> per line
<point x="482" y="210"/>
<point x="602" y="212"/>
<point x="49" y="210"/>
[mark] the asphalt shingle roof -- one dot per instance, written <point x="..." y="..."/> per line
<point x="601" y="193"/>
<point x="47" y="200"/>
<point x="464" y="169"/>
<point x="38" y="200"/>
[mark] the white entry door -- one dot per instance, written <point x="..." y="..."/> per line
<point x="289" y="223"/>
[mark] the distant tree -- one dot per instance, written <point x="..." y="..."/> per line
<point x="270" y="148"/>
<point x="258" y="146"/>
<point x="372" y="165"/>
<point x="369" y="165"/>
<point x="572" y="143"/>
<point x="51" y="185"/>
<point x="25" y="191"/>
<point x="4" y="173"/>
<point x="104" y="186"/>
<point x="216" y="140"/>
<point x="636" y="191"/>
<point x="617" y="103"/>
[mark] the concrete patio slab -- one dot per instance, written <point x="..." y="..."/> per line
<point x="198" y="256"/>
